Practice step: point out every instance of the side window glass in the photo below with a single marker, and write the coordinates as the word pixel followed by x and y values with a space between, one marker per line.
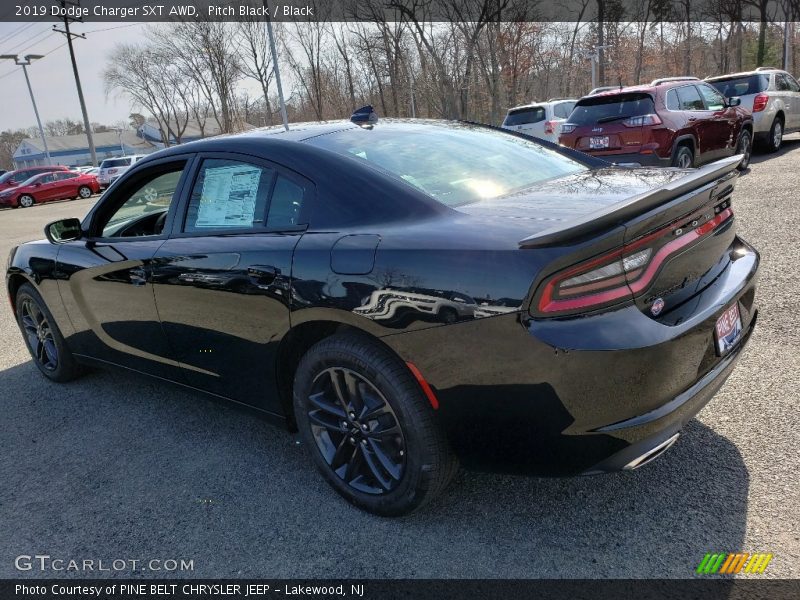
pixel 145 202
pixel 229 194
pixel 285 204
pixel 672 100
pixel 713 100
pixel 689 98
pixel 780 83
pixel 793 85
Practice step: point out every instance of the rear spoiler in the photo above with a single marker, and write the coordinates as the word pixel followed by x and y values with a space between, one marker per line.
pixel 718 171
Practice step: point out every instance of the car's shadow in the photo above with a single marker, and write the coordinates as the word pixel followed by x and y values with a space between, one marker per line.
pixel 791 142
pixel 119 466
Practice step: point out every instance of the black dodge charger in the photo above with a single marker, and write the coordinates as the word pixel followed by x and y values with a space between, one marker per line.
pixel 408 295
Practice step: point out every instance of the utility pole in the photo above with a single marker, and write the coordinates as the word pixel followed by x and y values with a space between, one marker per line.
pixel 275 67
pixel 594 56
pixel 69 35
pixel 25 63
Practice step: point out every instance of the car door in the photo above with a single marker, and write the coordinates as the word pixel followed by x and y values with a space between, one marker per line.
pixel 45 187
pixel 104 277
pixel 221 281
pixel 722 123
pixel 63 185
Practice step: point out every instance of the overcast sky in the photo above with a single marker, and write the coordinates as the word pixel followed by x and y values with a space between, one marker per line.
pixel 51 77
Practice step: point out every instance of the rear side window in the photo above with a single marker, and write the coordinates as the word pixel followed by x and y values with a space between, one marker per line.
pixel 605 109
pixel 563 110
pixel 742 86
pixel 285 204
pixel 525 116
pixel 689 98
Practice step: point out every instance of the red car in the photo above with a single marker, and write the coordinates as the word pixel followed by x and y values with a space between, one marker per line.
pixel 14 178
pixel 678 122
pixel 44 187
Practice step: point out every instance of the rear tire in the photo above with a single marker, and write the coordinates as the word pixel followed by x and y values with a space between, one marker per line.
pixel 775 138
pixel 84 192
pixel 26 201
pixel 369 428
pixel 745 146
pixel 43 337
pixel 684 158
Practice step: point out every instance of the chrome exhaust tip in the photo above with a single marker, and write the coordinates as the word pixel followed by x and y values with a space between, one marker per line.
pixel 651 454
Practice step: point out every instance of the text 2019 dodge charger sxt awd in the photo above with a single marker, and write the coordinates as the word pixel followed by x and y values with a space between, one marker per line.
pixel 408 295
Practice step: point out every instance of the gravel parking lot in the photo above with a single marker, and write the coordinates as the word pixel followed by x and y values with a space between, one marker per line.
pixel 116 466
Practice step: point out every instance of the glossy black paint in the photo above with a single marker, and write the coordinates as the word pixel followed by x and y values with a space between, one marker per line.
pixel 446 289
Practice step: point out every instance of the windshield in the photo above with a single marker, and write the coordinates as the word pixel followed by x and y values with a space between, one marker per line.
pixel 606 109
pixel 6 176
pixel 742 86
pixel 455 164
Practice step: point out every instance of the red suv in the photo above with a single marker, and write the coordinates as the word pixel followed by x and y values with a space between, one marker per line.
pixel 677 121
pixel 14 178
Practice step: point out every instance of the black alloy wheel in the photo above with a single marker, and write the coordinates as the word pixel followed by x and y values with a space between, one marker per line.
pixel 43 338
pixel 39 335
pixel 371 431
pixel 356 431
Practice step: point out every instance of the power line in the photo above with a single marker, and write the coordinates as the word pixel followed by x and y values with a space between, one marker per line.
pixel 31 41
pixel 18 31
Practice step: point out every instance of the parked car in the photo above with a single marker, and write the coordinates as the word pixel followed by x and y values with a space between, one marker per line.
pixel 679 122
pixel 614 302
pixel 14 178
pixel 112 168
pixel 540 120
pixel 44 187
pixel 772 95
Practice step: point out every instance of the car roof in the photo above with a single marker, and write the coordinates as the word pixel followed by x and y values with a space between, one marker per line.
pixel 550 101
pixel 744 74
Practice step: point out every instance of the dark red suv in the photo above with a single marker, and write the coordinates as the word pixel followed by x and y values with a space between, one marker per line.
pixel 679 122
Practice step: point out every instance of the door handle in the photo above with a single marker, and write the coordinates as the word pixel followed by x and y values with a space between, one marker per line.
pixel 138 276
pixel 263 274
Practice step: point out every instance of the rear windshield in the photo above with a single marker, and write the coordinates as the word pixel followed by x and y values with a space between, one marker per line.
pixel 563 110
pixel 455 164
pixel 605 109
pixel 115 162
pixel 742 86
pixel 524 116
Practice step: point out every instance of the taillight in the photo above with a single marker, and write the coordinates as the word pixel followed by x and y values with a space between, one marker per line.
pixel 568 127
pixel 625 272
pixel 112 171
pixel 642 121
pixel 550 126
pixel 760 102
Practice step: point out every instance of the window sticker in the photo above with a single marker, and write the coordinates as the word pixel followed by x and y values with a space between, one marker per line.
pixel 228 198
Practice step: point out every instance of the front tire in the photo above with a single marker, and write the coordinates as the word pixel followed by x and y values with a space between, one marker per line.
pixel 370 429
pixel 745 146
pixel 43 338
pixel 26 201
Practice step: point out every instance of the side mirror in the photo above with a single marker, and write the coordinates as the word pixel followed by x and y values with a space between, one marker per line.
pixel 65 230
pixel 37 184
pixel 734 101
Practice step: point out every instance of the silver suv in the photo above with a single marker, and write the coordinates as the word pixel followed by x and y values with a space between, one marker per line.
pixel 772 95
pixel 541 120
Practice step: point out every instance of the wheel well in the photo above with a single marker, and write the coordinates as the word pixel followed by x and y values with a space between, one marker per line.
pixel 292 348
pixel 14 283
pixel 779 115
pixel 686 142
pixel 748 127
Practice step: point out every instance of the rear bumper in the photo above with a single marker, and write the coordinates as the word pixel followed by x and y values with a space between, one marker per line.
pixel 580 395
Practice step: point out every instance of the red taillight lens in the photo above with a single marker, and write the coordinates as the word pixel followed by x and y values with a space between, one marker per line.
pixel 549 126
pixel 624 272
pixel 567 127
pixel 760 102
pixel 112 171
pixel 642 121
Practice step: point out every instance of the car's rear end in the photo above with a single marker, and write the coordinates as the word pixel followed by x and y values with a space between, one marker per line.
pixel 111 169
pixel 530 120
pixel 753 91
pixel 620 127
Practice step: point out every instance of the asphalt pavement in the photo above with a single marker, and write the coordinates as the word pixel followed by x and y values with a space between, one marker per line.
pixel 119 467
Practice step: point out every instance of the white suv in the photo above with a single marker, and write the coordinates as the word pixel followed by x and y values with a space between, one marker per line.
pixel 112 168
pixel 541 119
pixel 773 96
